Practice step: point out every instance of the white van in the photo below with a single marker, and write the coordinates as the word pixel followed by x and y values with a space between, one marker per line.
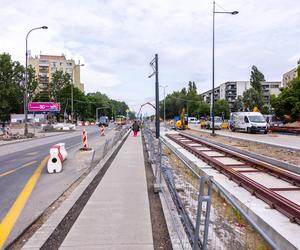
pixel 248 121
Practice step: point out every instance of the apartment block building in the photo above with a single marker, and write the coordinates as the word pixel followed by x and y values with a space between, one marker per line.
pixel 232 89
pixel 46 65
pixel 290 75
pixel 207 96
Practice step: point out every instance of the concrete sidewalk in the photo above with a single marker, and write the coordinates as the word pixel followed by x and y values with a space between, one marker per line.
pixel 117 216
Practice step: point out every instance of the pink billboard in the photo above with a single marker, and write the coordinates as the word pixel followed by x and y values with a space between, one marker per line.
pixel 43 106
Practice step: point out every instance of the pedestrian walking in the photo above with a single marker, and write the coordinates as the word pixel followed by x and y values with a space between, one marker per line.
pixel 135 128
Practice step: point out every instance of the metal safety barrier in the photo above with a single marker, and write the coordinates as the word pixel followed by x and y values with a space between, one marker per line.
pixel 191 238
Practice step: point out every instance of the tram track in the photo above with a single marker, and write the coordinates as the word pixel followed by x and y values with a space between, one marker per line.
pixel 239 168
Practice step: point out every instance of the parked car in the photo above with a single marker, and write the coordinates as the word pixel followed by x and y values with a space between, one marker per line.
pixel 225 124
pixel 217 122
pixel 193 120
pixel 248 121
pixel 273 121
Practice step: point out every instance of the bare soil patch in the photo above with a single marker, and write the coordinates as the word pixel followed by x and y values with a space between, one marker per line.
pixel 160 232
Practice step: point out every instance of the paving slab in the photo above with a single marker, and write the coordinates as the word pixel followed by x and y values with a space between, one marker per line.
pixel 213 153
pixel 117 216
pixel 228 161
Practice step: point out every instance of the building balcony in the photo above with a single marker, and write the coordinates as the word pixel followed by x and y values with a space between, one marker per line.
pixel 43 87
pixel 44 64
pixel 230 93
pixel 44 74
pixel 230 87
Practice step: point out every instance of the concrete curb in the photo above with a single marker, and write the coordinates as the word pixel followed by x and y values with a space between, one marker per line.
pixel 44 232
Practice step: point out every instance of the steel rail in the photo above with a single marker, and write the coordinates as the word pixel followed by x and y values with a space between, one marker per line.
pixel 228 197
pixel 280 203
pixel 262 166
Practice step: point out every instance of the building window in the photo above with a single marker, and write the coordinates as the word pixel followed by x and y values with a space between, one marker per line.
pixel 274 86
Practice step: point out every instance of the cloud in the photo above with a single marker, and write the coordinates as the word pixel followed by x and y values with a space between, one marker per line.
pixel 116 40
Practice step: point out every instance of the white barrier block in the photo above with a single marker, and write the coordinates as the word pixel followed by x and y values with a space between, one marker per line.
pixel 54 163
pixel 58 154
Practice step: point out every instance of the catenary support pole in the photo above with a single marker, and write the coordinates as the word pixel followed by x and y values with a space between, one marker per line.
pixel 157 98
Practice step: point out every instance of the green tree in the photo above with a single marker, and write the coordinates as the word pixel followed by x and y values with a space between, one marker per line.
pixel 186 98
pixel 265 109
pixel 81 108
pixel 222 109
pixel 238 104
pixel 109 107
pixel 251 99
pixel 41 97
pixel 32 82
pixel 256 78
pixel 287 103
pixel 174 104
pixel 203 109
pixel 11 77
pixel 132 115
pixel 58 82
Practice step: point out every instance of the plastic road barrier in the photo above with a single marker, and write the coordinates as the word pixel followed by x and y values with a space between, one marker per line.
pixel 7 134
pixel 84 139
pixel 58 154
pixel 101 130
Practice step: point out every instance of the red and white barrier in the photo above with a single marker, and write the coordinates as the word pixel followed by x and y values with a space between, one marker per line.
pixel 7 134
pixel 84 139
pixel 58 154
pixel 102 131
pixel 81 123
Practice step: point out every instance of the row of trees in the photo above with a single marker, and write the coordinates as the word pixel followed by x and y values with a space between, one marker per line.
pixel 12 93
pixel 286 106
pixel 193 104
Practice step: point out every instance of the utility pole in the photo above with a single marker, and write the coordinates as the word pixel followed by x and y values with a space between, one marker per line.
pixel 157 97
pixel 154 65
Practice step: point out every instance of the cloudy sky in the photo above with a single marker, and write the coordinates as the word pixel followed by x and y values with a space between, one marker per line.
pixel 116 40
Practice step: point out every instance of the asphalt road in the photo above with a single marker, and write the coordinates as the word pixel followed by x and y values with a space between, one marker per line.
pixel 19 163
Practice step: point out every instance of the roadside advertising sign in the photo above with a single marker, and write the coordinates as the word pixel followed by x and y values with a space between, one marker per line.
pixel 43 107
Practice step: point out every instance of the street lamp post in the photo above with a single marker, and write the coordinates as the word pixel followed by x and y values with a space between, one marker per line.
pixel 213 63
pixel 164 87
pixel 26 79
pixel 72 91
pixel 106 107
